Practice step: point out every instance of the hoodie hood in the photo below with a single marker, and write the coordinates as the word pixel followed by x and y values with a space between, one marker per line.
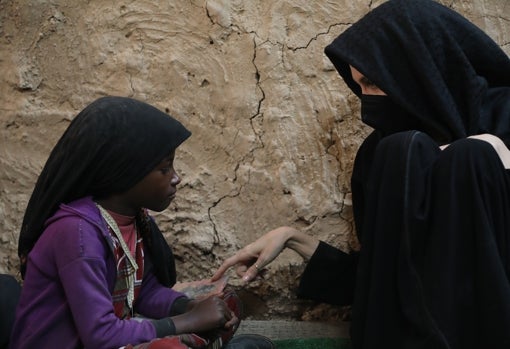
pixel 84 208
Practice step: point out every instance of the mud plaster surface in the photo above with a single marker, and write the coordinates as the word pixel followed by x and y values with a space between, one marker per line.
pixel 274 129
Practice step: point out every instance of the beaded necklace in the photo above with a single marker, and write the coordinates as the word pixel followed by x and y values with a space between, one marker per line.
pixel 133 266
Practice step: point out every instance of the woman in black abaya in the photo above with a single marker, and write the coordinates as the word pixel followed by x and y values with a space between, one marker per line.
pixel 430 185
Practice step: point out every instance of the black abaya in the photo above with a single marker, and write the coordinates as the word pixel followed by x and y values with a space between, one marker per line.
pixel 432 273
pixel 433 270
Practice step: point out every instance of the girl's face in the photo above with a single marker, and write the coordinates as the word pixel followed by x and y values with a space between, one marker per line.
pixel 156 190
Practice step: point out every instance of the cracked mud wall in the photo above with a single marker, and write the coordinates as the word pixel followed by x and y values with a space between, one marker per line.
pixel 274 129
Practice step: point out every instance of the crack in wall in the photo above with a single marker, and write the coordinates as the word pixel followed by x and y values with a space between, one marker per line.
pixel 208 14
pixel 259 113
pixel 141 53
pixel 131 85
pixel 504 19
pixel 330 142
pixel 212 19
pixel 250 155
pixel 317 36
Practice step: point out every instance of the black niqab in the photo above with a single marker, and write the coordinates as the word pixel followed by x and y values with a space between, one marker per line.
pixel 108 147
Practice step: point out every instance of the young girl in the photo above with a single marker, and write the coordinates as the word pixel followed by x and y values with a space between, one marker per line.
pixel 91 256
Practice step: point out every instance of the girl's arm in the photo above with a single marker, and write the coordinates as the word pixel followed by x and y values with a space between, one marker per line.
pixel 156 301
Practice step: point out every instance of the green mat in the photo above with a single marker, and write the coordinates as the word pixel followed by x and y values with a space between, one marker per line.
pixel 313 343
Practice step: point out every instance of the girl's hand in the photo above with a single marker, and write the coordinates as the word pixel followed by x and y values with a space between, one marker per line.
pixel 211 313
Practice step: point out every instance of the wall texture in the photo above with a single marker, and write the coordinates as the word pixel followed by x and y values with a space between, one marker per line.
pixel 274 129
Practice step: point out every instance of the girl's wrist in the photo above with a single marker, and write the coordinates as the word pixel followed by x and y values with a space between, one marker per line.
pixel 181 305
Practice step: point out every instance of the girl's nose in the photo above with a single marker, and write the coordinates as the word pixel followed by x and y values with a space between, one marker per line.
pixel 175 179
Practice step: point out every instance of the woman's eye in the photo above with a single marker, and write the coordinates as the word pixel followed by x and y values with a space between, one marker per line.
pixel 367 83
pixel 370 84
pixel 165 170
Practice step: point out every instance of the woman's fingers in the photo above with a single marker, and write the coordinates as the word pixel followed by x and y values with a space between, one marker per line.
pixel 255 256
pixel 241 270
pixel 245 257
pixel 229 262
pixel 253 271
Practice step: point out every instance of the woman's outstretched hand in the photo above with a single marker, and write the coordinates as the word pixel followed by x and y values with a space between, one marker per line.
pixel 251 259
pixel 254 257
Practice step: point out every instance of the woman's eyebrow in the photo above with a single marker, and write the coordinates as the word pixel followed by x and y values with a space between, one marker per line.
pixel 366 81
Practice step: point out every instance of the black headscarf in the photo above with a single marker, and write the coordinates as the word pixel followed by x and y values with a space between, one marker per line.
pixel 108 147
pixel 443 70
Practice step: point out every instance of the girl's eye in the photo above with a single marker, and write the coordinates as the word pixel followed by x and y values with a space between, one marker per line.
pixel 165 170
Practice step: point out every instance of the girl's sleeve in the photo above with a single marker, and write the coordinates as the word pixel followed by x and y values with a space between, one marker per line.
pixel 329 276
pixel 156 301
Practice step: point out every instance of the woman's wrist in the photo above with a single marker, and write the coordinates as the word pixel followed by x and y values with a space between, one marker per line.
pixel 305 245
pixel 289 235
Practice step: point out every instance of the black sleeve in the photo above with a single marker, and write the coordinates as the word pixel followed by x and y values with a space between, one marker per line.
pixel 329 276
pixel 164 327
pixel 179 306
pixel 360 174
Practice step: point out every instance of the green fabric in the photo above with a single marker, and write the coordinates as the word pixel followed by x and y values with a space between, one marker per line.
pixel 313 343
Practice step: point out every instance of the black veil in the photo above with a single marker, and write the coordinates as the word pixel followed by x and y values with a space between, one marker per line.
pixel 434 63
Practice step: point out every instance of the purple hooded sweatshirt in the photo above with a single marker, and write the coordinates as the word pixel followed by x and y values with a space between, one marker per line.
pixel 66 300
